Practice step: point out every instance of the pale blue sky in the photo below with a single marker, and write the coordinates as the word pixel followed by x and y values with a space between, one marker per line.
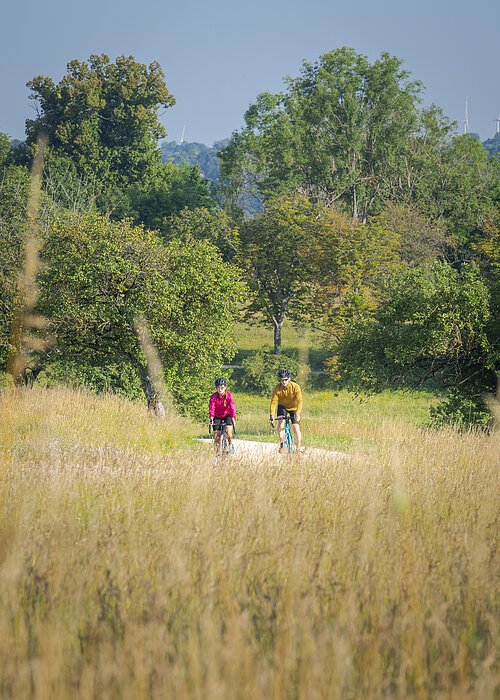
pixel 218 56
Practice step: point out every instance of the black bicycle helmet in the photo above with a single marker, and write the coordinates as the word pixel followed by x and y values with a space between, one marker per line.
pixel 220 382
pixel 284 373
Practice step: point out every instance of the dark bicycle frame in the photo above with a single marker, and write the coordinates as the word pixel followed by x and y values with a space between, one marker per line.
pixel 223 445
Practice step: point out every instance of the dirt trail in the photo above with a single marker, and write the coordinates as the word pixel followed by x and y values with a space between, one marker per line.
pixel 253 448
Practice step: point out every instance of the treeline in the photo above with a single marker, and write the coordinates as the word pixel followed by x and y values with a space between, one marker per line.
pixel 342 204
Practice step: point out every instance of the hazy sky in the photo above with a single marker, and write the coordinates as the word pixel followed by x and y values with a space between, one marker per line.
pixel 219 55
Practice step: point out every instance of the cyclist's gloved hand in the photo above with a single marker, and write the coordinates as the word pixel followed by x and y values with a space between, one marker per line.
pixel 271 420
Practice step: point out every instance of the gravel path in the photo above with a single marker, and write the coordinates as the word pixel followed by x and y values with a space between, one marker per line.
pixel 253 448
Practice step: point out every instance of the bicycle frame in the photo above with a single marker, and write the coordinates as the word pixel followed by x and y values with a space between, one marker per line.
pixel 288 442
pixel 288 435
pixel 222 447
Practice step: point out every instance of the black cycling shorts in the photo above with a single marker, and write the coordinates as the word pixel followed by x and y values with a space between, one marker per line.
pixel 282 411
pixel 219 421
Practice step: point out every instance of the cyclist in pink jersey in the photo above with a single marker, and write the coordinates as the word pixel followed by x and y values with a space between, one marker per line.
pixel 222 410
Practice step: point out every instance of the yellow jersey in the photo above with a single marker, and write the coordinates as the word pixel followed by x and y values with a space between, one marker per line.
pixel 289 396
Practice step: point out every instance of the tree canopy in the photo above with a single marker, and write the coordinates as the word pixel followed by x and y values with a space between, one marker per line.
pixel 304 261
pixel 340 133
pixel 430 328
pixel 104 116
pixel 101 276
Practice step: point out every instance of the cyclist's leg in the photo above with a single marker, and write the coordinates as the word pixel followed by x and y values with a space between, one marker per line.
pixel 280 424
pixel 297 435
pixel 217 427
pixel 223 437
pixel 229 432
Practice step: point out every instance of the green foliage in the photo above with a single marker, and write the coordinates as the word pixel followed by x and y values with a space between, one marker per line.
pixel 340 133
pixel 117 378
pixel 5 148
pixel 492 146
pixel 431 327
pixel 14 188
pixel 103 116
pixel 64 187
pixel 305 261
pixel 461 411
pixel 487 251
pixel 204 157
pixel 261 370
pixel 173 189
pixel 100 276
pixel 274 252
pixel 458 184
pixel 205 224
pixel 421 239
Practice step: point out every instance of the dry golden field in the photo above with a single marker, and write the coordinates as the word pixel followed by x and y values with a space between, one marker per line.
pixel 132 567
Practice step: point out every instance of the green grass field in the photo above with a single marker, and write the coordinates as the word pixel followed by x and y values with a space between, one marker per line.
pixel 256 336
pixel 330 419
pixel 340 420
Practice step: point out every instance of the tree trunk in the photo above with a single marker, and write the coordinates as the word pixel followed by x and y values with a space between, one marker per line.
pixel 278 322
pixel 152 395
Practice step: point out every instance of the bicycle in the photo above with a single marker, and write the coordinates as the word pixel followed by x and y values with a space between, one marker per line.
pixel 223 446
pixel 288 442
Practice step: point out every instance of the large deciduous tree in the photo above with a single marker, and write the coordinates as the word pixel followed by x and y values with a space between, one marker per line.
pixel 100 277
pixel 104 116
pixel 304 261
pixel 340 133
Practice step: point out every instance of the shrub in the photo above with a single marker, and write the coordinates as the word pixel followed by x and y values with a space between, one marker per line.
pixel 462 412
pixel 260 370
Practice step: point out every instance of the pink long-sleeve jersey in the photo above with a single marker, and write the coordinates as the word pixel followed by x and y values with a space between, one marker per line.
pixel 221 406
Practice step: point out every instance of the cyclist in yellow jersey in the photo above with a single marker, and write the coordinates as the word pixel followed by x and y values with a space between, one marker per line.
pixel 288 397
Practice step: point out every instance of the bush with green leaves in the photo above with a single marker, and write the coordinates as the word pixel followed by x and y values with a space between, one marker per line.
pixel 431 328
pixel 261 369
pixel 116 378
pixel 462 412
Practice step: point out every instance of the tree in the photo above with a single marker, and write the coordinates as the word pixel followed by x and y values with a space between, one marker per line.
pixel 14 188
pixel 101 276
pixel 422 239
pixel 492 145
pixel 204 157
pixel 305 261
pixel 5 148
pixel 459 187
pixel 103 116
pixel 274 252
pixel 340 133
pixel 487 252
pixel 173 188
pixel 204 224
pixel 431 327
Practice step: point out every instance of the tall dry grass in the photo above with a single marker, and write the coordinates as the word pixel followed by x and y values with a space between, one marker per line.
pixel 131 571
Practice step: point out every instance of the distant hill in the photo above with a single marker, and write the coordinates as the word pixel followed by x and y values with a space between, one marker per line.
pixel 205 157
pixel 492 145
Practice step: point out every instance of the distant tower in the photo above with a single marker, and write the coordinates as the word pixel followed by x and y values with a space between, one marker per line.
pixel 498 123
pixel 182 137
pixel 466 120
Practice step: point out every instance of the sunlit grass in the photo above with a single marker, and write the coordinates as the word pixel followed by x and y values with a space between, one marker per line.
pixel 253 337
pixel 129 569
pixel 70 418
pixel 341 420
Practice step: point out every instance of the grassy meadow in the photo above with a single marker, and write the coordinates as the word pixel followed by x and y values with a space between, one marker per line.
pixel 132 567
